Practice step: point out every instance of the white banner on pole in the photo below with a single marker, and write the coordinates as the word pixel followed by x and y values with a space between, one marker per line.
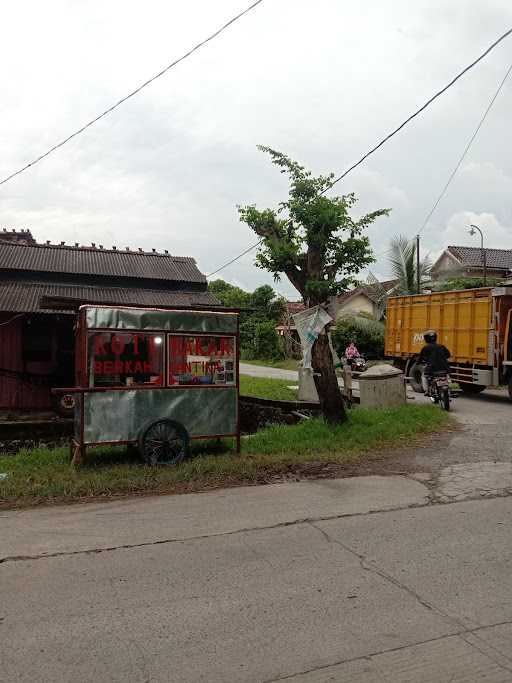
pixel 309 324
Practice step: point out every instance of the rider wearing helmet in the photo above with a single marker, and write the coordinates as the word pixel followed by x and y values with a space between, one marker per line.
pixel 434 356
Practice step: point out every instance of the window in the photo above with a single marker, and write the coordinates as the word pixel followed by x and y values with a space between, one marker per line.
pixel 202 360
pixel 38 336
pixel 125 359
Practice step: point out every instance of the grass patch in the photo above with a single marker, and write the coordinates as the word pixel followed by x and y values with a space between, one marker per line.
pixel 262 387
pixel 45 476
pixel 288 364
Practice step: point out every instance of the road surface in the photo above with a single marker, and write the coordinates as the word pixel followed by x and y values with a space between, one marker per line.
pixel 265 371
pixel 404 578
pixel 364 579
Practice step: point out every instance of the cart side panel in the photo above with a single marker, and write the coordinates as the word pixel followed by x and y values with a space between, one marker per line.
pixel 77 419
pixel 120 415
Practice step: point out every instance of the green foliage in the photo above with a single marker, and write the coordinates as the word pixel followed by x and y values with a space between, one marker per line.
pixel 259 339
pixel 367 334
pixel 265 310
pixel 465 283
pixel 229 295
pixel 402 259
pixel 311 238
pixel 266 305
pixel 264 387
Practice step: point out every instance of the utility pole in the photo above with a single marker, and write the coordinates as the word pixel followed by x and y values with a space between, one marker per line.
pixel 473 229
pixel 418 275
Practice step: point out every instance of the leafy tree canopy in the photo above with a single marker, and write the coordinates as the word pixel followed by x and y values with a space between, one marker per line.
pixel 311 238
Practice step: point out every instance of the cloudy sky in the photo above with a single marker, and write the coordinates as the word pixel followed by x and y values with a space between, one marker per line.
pixel 322 81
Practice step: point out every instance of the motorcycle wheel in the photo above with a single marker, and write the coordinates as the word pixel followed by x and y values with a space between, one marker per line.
pixel 445 398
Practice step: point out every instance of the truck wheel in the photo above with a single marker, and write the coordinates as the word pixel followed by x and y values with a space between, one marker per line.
pixel 472 388
pixel 415 374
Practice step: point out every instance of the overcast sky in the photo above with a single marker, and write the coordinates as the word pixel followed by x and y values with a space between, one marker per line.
pixel 322 81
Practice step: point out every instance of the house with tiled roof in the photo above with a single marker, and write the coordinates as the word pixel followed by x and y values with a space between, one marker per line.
pixel 41 288
pixel 362 299
pixel 460 261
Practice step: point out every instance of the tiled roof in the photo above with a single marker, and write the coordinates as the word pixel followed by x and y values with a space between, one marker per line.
pixel 294 307
pixel 24 297
pixel 94 261
pixel 365 291
pixel 500 259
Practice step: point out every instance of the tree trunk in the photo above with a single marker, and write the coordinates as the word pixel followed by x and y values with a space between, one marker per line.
pixel 326 382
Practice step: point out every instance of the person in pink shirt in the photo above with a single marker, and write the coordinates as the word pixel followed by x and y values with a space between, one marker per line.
pixel 351 351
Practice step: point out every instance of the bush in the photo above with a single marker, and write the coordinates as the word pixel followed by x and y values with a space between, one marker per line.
pixel 260 340
pixel 367 334
pixel 465 283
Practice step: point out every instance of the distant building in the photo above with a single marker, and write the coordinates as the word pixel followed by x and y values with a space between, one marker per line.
pixel 37 340
pixel 362 299
pixel 17 236
pixel 287 329
pixel 468 262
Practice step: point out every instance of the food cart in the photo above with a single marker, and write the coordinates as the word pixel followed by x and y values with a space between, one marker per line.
pixel 155 378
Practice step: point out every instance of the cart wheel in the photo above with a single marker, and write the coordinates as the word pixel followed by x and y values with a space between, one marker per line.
pixel 163 442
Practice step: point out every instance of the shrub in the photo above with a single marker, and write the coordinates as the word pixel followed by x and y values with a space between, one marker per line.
pixel 465 283
pixel 260 340
pixel 367 334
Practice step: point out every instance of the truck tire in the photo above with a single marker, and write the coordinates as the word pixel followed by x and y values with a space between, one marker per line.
pixel 472 388
pixel 415 375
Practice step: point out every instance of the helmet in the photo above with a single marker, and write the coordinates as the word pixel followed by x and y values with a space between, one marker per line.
pixel 430 337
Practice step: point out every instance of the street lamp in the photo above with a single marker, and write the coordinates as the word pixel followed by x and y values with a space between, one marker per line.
pixel 472 231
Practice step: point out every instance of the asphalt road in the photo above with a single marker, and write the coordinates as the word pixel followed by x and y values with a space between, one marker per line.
pixel 272 373
pixel 402 578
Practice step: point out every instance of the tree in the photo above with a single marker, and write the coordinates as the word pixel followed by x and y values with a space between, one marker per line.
pixel 263 311
pixel 402 259
pixel 315 242
pixel 266 305
pixel 229 295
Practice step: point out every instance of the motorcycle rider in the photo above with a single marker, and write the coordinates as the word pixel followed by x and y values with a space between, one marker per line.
pixel 351 351
pixel 435 357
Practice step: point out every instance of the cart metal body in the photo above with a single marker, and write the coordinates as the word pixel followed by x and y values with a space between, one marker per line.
pixel 138 365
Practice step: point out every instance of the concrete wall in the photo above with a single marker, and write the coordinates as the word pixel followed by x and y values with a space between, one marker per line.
pixel 446 267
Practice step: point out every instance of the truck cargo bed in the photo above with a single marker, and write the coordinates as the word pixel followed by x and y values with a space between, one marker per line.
pixel 463 320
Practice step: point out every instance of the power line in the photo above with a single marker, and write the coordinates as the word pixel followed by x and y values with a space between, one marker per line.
pixel 422 108
pixel 466 150
pixel 461 159
pixel 132 93
pixel 236 258
pixel 396 130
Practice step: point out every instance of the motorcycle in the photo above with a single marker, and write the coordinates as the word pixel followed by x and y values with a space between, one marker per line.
pixel 439 390
pixel 357 364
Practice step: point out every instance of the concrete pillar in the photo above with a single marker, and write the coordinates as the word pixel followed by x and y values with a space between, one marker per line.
pixel 382 386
